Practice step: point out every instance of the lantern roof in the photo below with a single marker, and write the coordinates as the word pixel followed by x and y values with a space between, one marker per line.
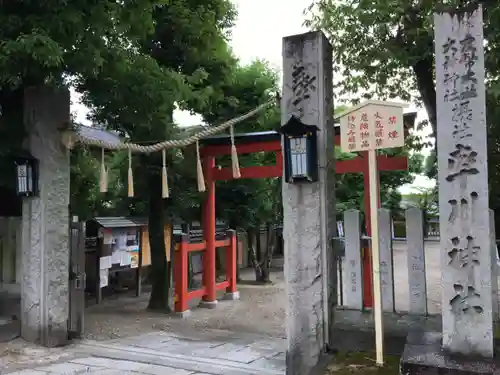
pixel 295 126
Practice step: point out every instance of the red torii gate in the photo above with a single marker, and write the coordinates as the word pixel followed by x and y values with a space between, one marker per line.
pixel 270 141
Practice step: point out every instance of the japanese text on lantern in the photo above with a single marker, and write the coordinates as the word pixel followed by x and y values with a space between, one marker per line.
pixel 459 82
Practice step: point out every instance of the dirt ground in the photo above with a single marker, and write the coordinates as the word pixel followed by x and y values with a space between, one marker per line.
pixel 261 309
pixel 362 364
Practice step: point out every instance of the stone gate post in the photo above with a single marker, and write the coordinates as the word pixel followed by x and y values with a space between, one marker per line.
pixel 309 211
pixel 45 221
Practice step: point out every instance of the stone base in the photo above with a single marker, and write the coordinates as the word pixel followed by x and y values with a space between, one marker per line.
pixel 423 355
pixel 232 296
pixel 208 304
pixel 183 314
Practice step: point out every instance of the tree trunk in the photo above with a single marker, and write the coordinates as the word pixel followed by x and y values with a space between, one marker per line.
pixel 253 253
pixel 161 270
pixel 268 255
pixel 258 243
pixel 424 73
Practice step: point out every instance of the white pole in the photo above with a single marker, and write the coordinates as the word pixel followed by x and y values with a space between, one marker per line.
pixel 377 289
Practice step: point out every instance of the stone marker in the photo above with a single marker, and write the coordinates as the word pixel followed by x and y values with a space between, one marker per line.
pixel 352 271
pixel 463 183
pixel 308 208
pixel 416 261
pixel 45 221
pixel 494 267
pixel 465 345
pixel 386 262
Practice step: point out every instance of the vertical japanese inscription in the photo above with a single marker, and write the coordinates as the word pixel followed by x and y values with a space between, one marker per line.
pixel 364 130
pixel 463 186
pixel 351 132
pixel 459 81
pixel 303 84
pixel 379 130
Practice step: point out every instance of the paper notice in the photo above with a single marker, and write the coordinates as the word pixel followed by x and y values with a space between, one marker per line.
pixel 116 257
pixel 103 277
pixel 126 259
pixel 105 263
pixel 107 237
pixel 121 240
pixel 134 259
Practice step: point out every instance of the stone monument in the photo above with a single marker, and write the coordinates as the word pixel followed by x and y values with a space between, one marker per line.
pixel 308 208
pixel 466 297
pixel 45 221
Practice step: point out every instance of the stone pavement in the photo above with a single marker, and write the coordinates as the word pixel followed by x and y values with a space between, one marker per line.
pixel 163 353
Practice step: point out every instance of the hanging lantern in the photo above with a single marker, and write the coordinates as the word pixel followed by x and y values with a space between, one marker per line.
pixel 27 176
pixel 300 151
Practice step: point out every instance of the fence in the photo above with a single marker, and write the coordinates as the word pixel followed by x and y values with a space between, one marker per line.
pixel 183 248
pixel 410 270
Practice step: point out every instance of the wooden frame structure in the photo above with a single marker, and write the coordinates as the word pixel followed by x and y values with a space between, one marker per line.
pixel 210 285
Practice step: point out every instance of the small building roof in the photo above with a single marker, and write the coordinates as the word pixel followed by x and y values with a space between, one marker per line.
pixel 98 133
pixel 121 222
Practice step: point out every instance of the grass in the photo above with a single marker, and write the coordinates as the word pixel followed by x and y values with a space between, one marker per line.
pixel 362 364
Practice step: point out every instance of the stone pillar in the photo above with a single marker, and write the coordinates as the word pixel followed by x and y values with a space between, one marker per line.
pixel 463 183
pixel 308 208
pixel 45 221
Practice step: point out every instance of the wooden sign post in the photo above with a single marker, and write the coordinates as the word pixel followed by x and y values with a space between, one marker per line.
pixel 370 126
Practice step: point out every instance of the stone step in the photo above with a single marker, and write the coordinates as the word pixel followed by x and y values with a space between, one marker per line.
pixel 161 358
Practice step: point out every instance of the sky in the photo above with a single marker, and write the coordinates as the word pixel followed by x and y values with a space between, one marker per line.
pixel 257 34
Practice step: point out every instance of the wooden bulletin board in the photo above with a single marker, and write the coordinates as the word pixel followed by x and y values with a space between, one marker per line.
pixel 146 249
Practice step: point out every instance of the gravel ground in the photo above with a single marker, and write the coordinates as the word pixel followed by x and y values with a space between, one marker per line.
pixel 261 309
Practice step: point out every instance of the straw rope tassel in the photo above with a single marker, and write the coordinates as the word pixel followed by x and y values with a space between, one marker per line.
pixel 199 170
pixel 164 180
pixel 234 156
pixel 130 175
pixel 103 182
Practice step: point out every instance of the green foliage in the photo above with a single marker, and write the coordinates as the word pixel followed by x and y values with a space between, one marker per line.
pixel 375 44
pixel 426 199
pixel 42 40
pixel 385 49
pixel 350 187
pixel 246 203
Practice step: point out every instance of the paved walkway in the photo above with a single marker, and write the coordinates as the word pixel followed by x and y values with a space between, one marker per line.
pixel 162 353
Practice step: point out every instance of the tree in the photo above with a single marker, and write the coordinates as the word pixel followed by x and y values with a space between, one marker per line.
pixel 134 62
pixel 386 49
pixel 190 58
pixel 247 204
pixel 51 41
